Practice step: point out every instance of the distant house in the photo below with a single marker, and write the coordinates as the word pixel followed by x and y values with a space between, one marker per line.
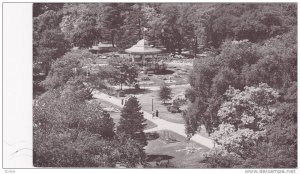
pixel 102 48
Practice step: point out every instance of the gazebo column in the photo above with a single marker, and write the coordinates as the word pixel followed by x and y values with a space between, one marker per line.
pixel 153 59
pixel 143 60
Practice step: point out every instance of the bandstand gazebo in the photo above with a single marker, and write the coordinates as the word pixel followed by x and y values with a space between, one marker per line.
pixel 144 54
pixel 140 50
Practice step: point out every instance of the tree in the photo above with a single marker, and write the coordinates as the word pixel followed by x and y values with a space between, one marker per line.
pixel 48 40
pixel 245 117
pixel 112 20
pixel 68 133
pixel 131 152
pixel 126 74
pixel 82 24
pixel 40 8
pixel 132 121
pixel 70 65
pixel 277 66
pixel 131 30
pixel 279 151
pixel 87 31
pixel 51 46
pixel 171 35
pixel 130 72
pixel 165 93
pixel 255 22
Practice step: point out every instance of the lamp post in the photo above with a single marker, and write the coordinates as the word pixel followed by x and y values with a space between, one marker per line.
pixel 152 104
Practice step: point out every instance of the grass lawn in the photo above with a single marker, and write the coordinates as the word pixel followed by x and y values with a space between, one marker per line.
pixel 160 149
pixel 146 102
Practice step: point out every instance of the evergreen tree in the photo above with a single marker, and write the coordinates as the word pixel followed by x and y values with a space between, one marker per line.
pixel 132 121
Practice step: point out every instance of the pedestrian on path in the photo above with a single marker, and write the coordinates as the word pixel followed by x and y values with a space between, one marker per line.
pixel 122 101
pixel 157 113
pixel 153 114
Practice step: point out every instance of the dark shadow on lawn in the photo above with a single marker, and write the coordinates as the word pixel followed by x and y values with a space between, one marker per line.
pixel 152 135
pixel 165 72
pixel 167 104
pixel 136 91
pixel 154 158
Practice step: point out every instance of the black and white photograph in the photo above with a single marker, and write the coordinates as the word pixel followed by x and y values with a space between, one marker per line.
pixel 143 85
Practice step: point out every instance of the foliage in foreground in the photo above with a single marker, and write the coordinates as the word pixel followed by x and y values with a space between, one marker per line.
pixel 74 133
pixel 252 133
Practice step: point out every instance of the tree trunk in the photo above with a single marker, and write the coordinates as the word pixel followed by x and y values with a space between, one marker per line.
pixel 195 47
pixel 140 33
pixel 113 39
pixel 179 50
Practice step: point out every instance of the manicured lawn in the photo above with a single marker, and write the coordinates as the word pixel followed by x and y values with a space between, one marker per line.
pixel 146 102
pixel 160 149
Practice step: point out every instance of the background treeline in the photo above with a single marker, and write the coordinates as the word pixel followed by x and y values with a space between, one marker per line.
pixel 250 69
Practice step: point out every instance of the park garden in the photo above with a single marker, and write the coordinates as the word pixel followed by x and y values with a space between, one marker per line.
pixel 160 85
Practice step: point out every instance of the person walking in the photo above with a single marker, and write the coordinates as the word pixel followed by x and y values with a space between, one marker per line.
pixel 157 113
pixel 153 114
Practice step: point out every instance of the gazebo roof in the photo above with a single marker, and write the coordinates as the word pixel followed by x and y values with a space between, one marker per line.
pixel 142 47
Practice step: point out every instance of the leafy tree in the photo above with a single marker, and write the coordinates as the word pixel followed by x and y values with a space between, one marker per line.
pixel 132 28
pixel 218 158
pixel 82 24
pixel 129 72
pixel 171 35
pixel 75 90
pixel 245 117
pixel 132 121
pixel 201 79
pixel 277 67
pixel 279 151
pixel 125 73
pixel 40 8
pixel 254 22
pixel 131 152
pixel 112 20
pixel 70 65
pixel 48 41
pixel 165 93
pixel 116 61
pixel 87 32
pixel 51 46
pixel 71 133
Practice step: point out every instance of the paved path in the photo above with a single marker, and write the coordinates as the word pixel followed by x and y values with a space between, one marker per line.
pixel 152 88
pixel 161 124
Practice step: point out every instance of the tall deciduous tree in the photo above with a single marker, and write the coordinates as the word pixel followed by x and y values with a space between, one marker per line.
pixel 70 65
pixel 132 29
pixel 48 40
pixel 112 21
pixel 245 117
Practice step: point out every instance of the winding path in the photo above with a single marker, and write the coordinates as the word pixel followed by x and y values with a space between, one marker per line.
pixel 161 124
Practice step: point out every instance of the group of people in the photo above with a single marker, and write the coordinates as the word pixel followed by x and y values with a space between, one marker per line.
pixel 155 114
